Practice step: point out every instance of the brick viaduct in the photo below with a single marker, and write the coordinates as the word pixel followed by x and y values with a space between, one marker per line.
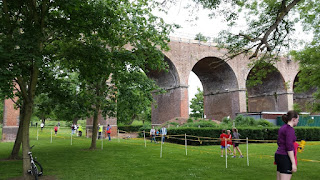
pixel 224 86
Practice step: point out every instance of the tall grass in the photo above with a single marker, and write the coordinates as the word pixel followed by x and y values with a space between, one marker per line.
pixel 130 159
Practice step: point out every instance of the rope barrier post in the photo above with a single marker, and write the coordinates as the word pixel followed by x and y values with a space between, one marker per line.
pixel 185 141
pixel 37 134
pixel 118 136
pixel 71 139
pixel 225 147
pixel 161 146
pixel 51 136
pixel 144 137
pixel 87 133
pixel 247 152
pixel 102 140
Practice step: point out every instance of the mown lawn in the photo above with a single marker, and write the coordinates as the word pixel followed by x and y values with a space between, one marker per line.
pixel 130 159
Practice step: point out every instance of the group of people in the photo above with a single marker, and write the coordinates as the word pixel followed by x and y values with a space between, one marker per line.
pixel 155 132
pixel 107 131
pixel 76 129
pixel 226 142
pixel 285 157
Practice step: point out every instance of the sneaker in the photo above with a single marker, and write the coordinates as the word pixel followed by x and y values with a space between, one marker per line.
pixel 221 155
pixel 233 156
pixel 241 156
pixel 231 153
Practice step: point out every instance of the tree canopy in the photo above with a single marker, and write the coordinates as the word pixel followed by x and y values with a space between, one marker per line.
pixel 197 105
pixel 97 39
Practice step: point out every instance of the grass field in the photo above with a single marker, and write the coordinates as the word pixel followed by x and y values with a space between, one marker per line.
pixel 130 159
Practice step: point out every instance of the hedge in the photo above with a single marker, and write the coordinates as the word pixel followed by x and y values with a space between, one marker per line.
pixel 253 133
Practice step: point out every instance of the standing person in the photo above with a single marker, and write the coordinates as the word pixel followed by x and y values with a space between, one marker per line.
pixel 80 131
pixel 284 156
pixel 163 133
pixel 55 130
pixel 42 125
pixel 229 141
pixel 153 134
pixel 72 129
pixel 223 138
pixel 100 129
pixel 109 132
pixel 59 125
pixel 236 135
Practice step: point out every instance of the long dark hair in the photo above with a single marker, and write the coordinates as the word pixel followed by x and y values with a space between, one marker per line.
pixel 290 114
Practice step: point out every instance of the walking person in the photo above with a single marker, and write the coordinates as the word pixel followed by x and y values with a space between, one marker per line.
pixel 153 134
pixel 55 130
pixel 229 141
pixel 236 142
pixel 109 132
pixel 284 156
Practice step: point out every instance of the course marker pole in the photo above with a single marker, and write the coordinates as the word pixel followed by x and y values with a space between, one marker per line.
pixel 226 147
pixel 247 152
pixel 51 136
pixel 144 137
pixel 161 146
pixel 37 134
pixel 87 132
pixel 102 140
pixel 185 142
pixel 118 136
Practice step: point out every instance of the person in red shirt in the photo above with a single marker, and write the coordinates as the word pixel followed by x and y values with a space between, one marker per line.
pixel 55 130
pixel 223 138
pixel 229 141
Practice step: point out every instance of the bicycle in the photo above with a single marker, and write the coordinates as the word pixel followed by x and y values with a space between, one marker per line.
pixel 36 168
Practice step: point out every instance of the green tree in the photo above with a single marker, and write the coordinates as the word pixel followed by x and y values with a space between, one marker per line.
pixel 201 37
pixel 197 105
pixel 134 97
pixel 33 32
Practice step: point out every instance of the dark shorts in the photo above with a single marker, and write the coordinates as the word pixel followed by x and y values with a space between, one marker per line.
pixel 235 144
pixel 284 164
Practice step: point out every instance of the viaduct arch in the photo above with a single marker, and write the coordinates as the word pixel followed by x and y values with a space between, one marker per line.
pixel 224 84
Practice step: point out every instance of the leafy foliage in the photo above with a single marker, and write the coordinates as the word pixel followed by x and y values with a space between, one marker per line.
pixel 197 105
pixel 201 37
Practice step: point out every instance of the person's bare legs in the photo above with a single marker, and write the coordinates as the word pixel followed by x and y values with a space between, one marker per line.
pixel 239 150
pixel 285 176
pixel 278 175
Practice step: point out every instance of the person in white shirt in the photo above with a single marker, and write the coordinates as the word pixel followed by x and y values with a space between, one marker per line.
pixel 163 133
pixel 153 134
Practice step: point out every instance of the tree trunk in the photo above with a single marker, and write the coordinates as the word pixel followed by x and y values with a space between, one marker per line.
pixel 25 140
pixel 17 144
pixel 75 120
pixel 95 128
